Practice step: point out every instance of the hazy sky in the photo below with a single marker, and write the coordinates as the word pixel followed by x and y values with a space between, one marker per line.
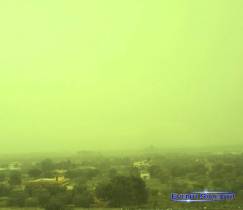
pixel 98 74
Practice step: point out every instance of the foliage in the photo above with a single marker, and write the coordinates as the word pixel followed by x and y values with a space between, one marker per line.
pixel 123 191
pixel 15 178
pixel 34 172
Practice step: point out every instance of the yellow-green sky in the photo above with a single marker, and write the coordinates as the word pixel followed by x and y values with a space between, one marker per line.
pixel 106 74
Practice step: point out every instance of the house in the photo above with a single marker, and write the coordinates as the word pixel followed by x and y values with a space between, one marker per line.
pixel 60 172
pixel 15 166
pixel 141 164
pixel 69 187
pixel 57 180
pixel 145 175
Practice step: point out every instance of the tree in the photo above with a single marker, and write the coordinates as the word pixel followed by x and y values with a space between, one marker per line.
pixel 104 191
pixel 43 196
pixel 123 191
pixel 65 164
pixel 34 172
pixel 15 178
pixel 112 173
pixel 55 204
pixel 17 199
pixel 2 177
pixel 84 173
pixel 47 165
pixel 134 171
pixel 4 190
pixel 31 202
pixel 82 197
pixel 140 193
pixel 56 189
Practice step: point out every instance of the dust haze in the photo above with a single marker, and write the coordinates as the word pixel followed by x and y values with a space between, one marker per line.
pixel 106 75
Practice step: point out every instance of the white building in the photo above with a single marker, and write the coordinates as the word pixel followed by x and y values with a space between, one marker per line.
pixel 145 175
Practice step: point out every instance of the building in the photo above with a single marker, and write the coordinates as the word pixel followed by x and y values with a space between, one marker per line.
pixel 57 180
pixel 145 175
pixel 15 166
pixel 141 164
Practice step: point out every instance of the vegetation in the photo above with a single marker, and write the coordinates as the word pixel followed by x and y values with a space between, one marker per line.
pixel 135 181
